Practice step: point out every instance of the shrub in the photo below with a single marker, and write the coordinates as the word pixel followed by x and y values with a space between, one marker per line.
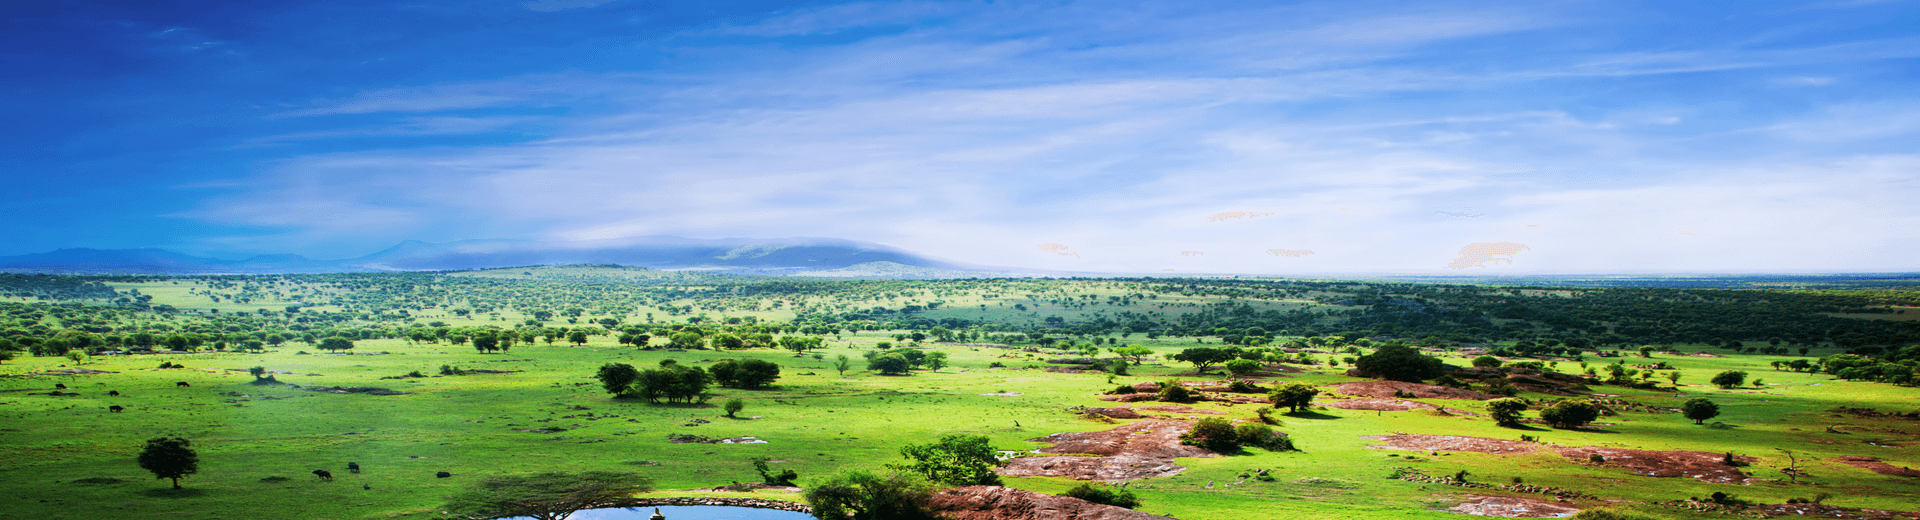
pixel 1243 366
pixel 783 478
pixel 1104 495
pixel 1266 416
pixel 1400 363
pixel 1119 367
pixel 1486 361
pixel 890 364
pixel 1504 389
pixel 861 495
pixel 1294 395
pixel 1570 414
pixel 1729 379
pixel 958 460
pixel 1122 389
pixel 1262 436
pixel 1243 386
pixel 734 406
pixel 1174 392
pixel 1213 433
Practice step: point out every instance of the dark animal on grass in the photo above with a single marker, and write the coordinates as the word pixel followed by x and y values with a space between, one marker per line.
pixel 116 408
pixel 442 474
pixel 113 393
pixel 353 467
pixel 182 383
pixel 323 474
pixel 59 386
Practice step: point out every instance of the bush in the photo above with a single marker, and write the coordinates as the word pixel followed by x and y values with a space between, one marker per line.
pixel 783 478
pixel 1570 414
pixel 1122 389
pixel 1729 379
pixel 1266 416
pixel 1104 495
pixel 861 495
pixel 1262 436
pixel 956 460
pixel 1174 392
pixel 1119 367
pixel 1486 361
pixel 1400 363
pixel 734 406
pixel 1504 389
pixel 1243 386
pixel 1243 366
pixel 1294 395
pixel 890 364
pixel 1213 433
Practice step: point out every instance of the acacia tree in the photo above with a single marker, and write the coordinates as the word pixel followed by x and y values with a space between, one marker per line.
pixel 1729 379
pixel 1506 411
pixel 551 495
pixel 170 457
pixel 957 460
pixel 1699 409
pixel 1400 363
pixel 1203 357
pixel 1570 414
pixel 1294 395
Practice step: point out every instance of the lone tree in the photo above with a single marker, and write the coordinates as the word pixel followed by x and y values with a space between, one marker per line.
pixel 1729 379
pixel 1486 362
pixel 1400 363
pixel 170 457
pixel 1699 409
pixel 861 495
pixel 1506 411
pixel 735 405
pixel 841 363
pixel 334 343
pixel 890 364
pixel 1294 395
pixel 955 460
pixel 551 495
pixel 1570 414
pixel 1204 357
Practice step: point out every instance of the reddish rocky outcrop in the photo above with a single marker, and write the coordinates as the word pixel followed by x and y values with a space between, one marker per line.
pixel 1002 503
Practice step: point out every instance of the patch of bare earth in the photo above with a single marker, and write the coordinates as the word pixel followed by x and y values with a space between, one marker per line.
pixel 1117 413
pixel 1875 465
pixel 1826 511
pixel 1513 507
pixel 1002 503
pixel 1177 409
pixel 1402 441
pixel 1706 467
pixel 1130 452
pixel 1376 403
pixel 1391 389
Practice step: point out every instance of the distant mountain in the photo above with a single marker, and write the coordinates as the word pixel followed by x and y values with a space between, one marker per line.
pixel 801 255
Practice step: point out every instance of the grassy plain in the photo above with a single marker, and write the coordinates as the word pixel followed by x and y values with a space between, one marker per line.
pixel 55 452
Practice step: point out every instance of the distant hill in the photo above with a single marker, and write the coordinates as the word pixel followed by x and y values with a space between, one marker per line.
pixel 790 256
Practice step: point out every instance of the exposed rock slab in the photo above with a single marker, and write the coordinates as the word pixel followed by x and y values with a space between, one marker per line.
pixel 1003 503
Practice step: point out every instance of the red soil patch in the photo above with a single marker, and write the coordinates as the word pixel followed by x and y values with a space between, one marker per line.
pixel 1117 413
pixel 1827 511
pixel 1376 403
pixel 1875 465
pixel 1134 451
pixel 1421 391
pixel 1513 507
pixel 1401 441
pixel 1177 409
pixel 1002 503
pixel 1129 398
pixel 1706 467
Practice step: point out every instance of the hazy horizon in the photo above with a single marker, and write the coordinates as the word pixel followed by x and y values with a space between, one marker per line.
pixel 1312 138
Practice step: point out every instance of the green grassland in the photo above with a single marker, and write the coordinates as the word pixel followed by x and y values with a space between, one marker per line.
pixel 60 457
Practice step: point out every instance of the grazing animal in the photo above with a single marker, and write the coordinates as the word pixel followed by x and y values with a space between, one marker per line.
pixel 442 474
pixel 353 467
pixel 323 474
pixel 60 386
pixel 366 486
pixel 113 393
pixel 116 408
pixel 182 383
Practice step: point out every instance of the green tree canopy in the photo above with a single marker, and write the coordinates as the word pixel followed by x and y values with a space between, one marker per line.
pixel 1699 409
pixel 1294 395
pixel 170 458
pixel 958 460
pixel 1400 363
pixel 862 495
pixel 744 373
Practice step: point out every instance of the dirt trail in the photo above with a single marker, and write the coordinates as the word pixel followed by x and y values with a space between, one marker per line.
pixel 1875 465
pixel 1130 452
pixel 1376 403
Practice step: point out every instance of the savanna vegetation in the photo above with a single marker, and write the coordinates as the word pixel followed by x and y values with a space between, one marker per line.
pixel 872 394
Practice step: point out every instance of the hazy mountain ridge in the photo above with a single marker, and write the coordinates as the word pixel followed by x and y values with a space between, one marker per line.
pixel 799 254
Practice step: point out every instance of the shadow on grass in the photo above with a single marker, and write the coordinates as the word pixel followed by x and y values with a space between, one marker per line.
pixel 168 492
pixel 1525 428
pixel 1310 414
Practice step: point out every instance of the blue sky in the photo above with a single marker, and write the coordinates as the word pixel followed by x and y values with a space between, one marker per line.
pixel 1658 136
